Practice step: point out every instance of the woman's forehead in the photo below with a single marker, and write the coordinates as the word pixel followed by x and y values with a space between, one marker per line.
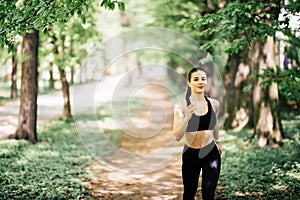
pixel 199 73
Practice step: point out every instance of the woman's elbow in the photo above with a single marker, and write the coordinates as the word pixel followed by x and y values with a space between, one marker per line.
pixel 177 137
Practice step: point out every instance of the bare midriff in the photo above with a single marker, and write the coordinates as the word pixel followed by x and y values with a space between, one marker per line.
pixel 198 139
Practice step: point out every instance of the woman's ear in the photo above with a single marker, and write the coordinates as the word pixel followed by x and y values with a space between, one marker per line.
pixel 189 83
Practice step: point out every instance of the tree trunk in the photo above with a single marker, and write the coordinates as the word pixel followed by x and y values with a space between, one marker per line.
pixel 72 66
pixel 262 108
pixel 66 93
pixel 63 78
pixel 265 99
pixel 26 128
pixel 267 120
pixel 229 78
pixel 238 103
pixel 51 79
pixel 64 83
pixel 14 90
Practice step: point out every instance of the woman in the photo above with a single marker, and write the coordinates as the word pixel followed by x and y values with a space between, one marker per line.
pixel 196 121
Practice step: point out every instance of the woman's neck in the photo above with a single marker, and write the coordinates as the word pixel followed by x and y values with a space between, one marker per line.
pixel 198 97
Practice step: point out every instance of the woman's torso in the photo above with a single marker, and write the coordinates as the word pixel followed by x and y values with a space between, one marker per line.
pixel 199 132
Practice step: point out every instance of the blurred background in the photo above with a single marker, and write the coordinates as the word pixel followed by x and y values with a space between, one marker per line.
pixel 250 50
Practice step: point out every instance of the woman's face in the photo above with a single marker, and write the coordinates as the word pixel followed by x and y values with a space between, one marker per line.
pixel 198 82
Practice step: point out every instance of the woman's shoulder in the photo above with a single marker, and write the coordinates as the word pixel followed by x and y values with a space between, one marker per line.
pixel 180 106
pixel 214 102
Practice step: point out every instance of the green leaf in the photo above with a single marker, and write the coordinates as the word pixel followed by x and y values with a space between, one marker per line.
pixel 103 3
pixel 121 6
pixel 248 88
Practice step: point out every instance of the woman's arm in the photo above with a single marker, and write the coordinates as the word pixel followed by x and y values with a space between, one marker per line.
pixel 216 105
pixel 179 125
pixel 180 121
pixel 216 130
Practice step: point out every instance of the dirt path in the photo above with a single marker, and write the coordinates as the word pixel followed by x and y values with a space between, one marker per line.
pixel 50 107
pixel 162 179
pixel 164 182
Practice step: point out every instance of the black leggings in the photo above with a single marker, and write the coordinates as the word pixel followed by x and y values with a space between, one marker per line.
pixel 208 158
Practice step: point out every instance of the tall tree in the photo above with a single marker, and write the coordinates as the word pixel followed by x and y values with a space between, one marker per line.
pixel 26 18
pixel 26 128
pixel 252 24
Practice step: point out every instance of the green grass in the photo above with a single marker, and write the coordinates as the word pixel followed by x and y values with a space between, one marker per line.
pixel 58 166
pixel 55 168
pixel 262 173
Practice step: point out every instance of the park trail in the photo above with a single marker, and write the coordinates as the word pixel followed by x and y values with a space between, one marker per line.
pixel 159 182
pixel 50 107
pixel 161 179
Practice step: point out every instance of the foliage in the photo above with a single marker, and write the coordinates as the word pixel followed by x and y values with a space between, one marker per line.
pixel 262 173
pixel 108 4
pixel 177 14
pixel 288 81
pixel 66 45
pixel 240 23
pixel 19 17
pixel 55 168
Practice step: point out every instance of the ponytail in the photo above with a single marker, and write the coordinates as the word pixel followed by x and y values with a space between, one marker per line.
pixel 188 94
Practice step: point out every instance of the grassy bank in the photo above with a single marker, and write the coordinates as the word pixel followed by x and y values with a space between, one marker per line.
pixel 249 172
pixel 58 166
pixel 55 168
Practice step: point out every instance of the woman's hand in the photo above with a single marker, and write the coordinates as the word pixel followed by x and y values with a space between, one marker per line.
pixel 189 112
pixel 219 148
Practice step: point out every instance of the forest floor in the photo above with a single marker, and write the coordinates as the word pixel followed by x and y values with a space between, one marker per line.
pixel 163 182
pixel 155 153
pixel 161 179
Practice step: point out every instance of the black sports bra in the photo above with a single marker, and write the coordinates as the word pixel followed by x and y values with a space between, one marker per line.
pixel 202 122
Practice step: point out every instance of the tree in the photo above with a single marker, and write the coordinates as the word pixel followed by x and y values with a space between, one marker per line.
pixel 26 128
pixel 175 15
pixel 14 89
pixel 252 24
pixel 27 18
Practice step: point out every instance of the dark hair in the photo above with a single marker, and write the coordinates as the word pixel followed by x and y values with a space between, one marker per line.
pixel 194 69
pixel 189 75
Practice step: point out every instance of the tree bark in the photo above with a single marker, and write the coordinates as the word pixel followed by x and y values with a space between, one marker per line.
pixel 66 93
pixel 63 78
pixel 26 128
pixel 267 120
pixel 51 79
pixel 64 83
pixel 238 103
pixel 72 66
pixel 261 105
pixel 14 89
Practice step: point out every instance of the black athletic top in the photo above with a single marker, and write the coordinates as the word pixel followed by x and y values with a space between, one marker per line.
pixel 202 122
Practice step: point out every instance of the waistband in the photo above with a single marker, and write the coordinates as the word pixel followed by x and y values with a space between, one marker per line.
pixel 201 152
